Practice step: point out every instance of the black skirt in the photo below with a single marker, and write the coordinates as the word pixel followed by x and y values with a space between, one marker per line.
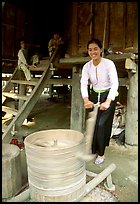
pixel 103 126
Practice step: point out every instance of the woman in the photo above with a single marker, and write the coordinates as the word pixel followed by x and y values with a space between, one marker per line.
pixel 102 76
pixel 24 60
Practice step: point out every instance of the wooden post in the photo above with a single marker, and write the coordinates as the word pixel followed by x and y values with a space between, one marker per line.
pixel 104 33
pixel 77 108
pixel 21 89
pixel 74 29
pixel 131 126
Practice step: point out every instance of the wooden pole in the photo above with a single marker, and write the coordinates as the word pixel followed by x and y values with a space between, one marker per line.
pixel 131 126
pixel 99 178
pixel 104 33
pixel 77 120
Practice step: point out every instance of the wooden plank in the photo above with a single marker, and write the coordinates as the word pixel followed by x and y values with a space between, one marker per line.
pixel 82 60
pixel 9 110
pixel 5 78
pixel 41 68
pixel 25 82
pixel 118 57
pixel 84 20
pixel 74 60
pixel 4 127
pixel 14 96
pixel 13 60
pixel 74 29
pixel 59 81
pixel 3 99
pixel 10 85
pixel 116 25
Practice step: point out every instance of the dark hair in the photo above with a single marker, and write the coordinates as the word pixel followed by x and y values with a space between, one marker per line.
pixel 94 40
pixel 22 41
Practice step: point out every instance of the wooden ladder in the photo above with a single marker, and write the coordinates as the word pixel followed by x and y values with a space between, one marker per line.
pixel 25 103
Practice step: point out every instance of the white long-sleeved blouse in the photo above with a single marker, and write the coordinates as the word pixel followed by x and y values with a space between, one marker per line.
pixel 21 58
pixel 101 77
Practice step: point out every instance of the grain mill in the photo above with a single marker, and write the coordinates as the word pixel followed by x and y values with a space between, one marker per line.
pixel 56 173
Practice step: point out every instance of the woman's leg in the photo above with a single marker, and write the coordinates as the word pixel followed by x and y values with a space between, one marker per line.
pixel 103 125
pixel 26 72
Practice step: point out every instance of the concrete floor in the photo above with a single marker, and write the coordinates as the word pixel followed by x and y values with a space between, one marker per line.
pixel 56 115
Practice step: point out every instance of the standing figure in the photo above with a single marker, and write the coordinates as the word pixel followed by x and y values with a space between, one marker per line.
pixel 101 74
pixel 24 60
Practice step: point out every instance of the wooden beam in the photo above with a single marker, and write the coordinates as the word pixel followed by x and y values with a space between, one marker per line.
pixel 9 85
pixel 59 81
pixel 82 60
pixel 9 110
pixel 24 82
pixel 5 78
pixel 14 96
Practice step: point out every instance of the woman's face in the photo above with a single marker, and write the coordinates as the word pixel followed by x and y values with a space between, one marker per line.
pixel 22 44
pixel 94 51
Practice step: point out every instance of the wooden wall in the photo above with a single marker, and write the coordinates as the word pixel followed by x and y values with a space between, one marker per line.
pixel 83 20
pixel 13 27
pixel 88 20
pixel 17 24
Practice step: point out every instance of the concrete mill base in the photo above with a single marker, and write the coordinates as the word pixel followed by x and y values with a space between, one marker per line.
pixel 90 189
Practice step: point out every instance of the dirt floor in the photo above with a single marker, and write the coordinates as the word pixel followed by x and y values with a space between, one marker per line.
pixel 56 115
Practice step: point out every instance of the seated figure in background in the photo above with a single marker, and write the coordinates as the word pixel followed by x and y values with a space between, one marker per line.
pixel 54 42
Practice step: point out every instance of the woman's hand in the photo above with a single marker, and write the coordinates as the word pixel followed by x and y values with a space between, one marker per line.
pixel 32 66
pixel 105 105
pixel 88 103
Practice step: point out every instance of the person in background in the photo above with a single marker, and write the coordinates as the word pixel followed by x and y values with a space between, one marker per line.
pixel 54 42
pixel 25 61
pixel 102 75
